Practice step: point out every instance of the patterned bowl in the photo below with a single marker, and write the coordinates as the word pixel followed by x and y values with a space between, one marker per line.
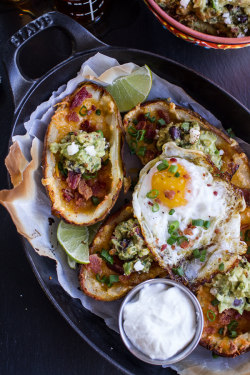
pixel 193 36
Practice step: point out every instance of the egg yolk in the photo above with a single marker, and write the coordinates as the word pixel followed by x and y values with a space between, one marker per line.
pixel 172 189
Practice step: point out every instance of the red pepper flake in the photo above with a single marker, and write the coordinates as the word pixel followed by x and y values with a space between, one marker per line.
pixel 189 191
pixel 215 192
pixel 163 247
pixel 150 203
pixel 186 176
pixel 157 200
pixel 173 160
pixel 209 185
pixel 204 174
pixel 217 231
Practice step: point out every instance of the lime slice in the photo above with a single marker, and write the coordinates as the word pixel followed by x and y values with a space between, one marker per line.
pixel 74 240
pixel 130 90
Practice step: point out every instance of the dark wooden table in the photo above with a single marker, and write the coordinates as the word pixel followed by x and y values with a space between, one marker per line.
pixel 34 338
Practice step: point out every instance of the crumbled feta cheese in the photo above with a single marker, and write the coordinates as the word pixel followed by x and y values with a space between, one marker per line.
pixel 227 18
pixel 90 150
pixel 184 3
pixel 221 152
pixel 138 266
pixel 72 149
pixel 194 135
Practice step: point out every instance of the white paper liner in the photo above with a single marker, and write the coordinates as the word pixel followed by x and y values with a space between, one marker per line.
pixel 29 205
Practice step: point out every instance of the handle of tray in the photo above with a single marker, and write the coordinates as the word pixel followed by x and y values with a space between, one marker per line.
pixel 82 40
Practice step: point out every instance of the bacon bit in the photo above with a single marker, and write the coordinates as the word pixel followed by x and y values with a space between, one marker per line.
pixel 217 231
pixel 141 117
pixel 150 203
pixel 163 247
pixel 124 279
pixel 184 245
pixel 209 330
pixel 164 116
pixel 84 190
pixel 68 195
pixel 157 200
pixel 170 194
pixel 93 107
pixel 79 97
pixel 95 263
pixel 209 185
pixel 99 189
pixel 226 316
pixel 246 195
pixel 186 176
pixel 174 160
pixel 215 193
pixel 191 226
pixel 112 251
pixel 150 131
pixel 141 125
pixel 173 247
pixel 188 231
pixel 86 126
pixel 149 155
pixel 79 200
pixel 73 179
pixel 73 116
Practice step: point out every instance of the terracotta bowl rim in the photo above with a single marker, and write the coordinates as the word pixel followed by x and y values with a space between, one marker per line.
pixel 194 33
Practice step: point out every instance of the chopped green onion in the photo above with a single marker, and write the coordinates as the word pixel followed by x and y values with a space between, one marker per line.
pixel 63 171
pixel 233 334
pixel 155 207
pixel 81 113
pixel 196 253
pixel 171 212
pixel 203 255
pixel 173 226
pixel 232 325
pixel 230 132
pixel 113 279
pixel 177 174
pixel 163 165
pixel 198 222
pixel 215 302
pixel 221 331
pixel 171 240
pixel 182 239
pixel 105 162
pixel 162 122
pixel 95 200
pixel 132 131
pixel 206 224
pixel 173 168
pixel 178 271
pixel 142 151
pixel 87 176
pixel 135 122
pixel 107 257
pixel 247 235
pixel 132 146
pixel 216 152
pixel 101 132
pixel 98 112
pixel 214 355
pixel 152 194
pixel 108 280
pixel 147 115
pixel 140 135
pixel 211 315
pixel 221 266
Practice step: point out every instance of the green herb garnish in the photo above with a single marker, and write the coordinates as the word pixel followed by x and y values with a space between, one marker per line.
pixel 178 271
pixel 173 168
pixel 155 207
pixel 152 194
pixel 83 111
pixel 171 212
pixel 106 256
pixel 98 112
pixel 163 165
pixel 211 315
pixel 221 267
pixel 95 200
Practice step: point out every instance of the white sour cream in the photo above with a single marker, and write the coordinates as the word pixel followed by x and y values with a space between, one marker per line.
pixel 161 322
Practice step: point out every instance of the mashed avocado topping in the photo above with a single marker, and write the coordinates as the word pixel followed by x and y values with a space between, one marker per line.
pixel 81 152
pixel 129 245
pixel 188 135
pixel 232 290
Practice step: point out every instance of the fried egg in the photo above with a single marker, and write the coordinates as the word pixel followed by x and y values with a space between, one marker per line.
pixel 189 215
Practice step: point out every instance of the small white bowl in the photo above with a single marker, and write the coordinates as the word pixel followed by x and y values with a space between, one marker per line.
pixel 185 351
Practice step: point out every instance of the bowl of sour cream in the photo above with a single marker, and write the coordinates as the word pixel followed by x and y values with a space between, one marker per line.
pixel 160 321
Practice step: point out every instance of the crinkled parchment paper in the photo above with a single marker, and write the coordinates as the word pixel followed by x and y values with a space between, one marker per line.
pixel 29 205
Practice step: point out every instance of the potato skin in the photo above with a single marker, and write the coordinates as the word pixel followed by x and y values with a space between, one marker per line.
pixel 211 339
pixel 87 278
pixel 59 126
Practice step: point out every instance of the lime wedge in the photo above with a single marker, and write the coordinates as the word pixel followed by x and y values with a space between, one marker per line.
pixel 130 90
pixel 74 240
pixel 72 263
pixel 93 229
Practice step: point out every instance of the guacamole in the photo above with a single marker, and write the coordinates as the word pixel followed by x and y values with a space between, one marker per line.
pixel 188 135
pixel 232 290
pixel 81 152
pixel 130 246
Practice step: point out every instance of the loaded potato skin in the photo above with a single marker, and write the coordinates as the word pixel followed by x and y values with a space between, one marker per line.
pixel 83 171
pixel 108 277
